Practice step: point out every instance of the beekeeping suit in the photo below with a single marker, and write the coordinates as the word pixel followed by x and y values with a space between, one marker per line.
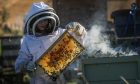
pixel 34 44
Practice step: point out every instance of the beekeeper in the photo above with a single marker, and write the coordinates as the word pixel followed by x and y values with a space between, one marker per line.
pixel 41 30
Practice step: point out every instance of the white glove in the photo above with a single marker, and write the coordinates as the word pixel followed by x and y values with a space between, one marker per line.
pixel 76 27
pixel 31 66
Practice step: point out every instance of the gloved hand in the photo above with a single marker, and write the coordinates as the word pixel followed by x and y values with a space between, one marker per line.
pixel 76 27
pixel 31 66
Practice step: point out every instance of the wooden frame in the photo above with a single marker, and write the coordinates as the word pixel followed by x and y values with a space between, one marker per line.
pixel 64 51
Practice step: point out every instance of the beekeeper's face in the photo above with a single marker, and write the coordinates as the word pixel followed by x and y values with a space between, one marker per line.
pixel 42 25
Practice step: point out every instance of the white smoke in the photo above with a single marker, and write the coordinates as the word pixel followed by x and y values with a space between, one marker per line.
pixel 97 41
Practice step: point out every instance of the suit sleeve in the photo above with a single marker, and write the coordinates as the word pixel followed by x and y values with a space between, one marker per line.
pixel 23 57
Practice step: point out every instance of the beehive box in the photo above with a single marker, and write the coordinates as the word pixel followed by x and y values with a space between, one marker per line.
pixel 112 70
pixel 126 25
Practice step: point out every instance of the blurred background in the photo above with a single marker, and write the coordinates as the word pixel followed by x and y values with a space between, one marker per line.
pixel 12 14
pixel 105 21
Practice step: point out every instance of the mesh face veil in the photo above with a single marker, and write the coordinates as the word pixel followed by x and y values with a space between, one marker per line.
pixel 51 25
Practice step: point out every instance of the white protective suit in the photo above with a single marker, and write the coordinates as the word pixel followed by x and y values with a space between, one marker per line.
pixel 32 47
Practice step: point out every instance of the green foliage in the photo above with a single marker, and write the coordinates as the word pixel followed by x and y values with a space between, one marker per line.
pixel 9 32
pixel 5 15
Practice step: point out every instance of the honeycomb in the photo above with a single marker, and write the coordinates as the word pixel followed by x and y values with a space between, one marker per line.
pixel 63 52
